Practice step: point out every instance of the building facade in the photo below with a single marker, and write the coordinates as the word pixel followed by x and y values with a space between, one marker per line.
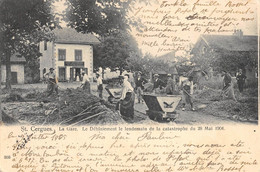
pixel 17 70
pixel 239 47
pixel 69 54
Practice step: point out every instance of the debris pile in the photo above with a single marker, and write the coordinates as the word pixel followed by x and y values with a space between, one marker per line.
pixel 209 94
pixel 244 110
pixel 70 107
pixel 13 97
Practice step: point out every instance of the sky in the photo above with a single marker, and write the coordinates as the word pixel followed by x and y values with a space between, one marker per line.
pixel 248 27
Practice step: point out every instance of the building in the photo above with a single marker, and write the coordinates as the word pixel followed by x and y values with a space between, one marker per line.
pixel 17 69
pixel 236 49
pixel 69 54
pixel 168 57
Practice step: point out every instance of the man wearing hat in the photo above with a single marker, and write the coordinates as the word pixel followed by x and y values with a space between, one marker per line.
pixel 171 85
pixel 139 86
pixel 85 82
pixel 228 90
pixel 187 91
pixel 52 82
pixel 157 82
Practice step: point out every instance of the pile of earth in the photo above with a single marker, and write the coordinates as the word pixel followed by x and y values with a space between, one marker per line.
pixel 208 95
pixel 245 109
pixel 69 107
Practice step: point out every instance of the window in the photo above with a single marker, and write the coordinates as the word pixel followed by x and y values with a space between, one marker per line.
pixel 45 45
pixel 203 50
pixel 78 55
pixel 62 54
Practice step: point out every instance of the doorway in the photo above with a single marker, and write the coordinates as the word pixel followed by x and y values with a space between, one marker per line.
pixel 62 74
pixel 77 74
pixel 14 78
pixel 72 74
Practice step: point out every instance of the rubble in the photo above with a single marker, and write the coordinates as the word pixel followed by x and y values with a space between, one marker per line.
pixel 70 107
pixel 243 111
pixel 13 97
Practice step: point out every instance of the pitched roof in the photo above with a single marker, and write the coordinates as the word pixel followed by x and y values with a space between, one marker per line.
pixel 71 36
pixel 17 58
pixel 230 42
pixel 168 57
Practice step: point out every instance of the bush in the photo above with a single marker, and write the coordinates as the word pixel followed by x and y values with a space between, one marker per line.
pixel 252 83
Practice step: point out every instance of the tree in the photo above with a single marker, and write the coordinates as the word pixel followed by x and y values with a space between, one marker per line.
pixel 114 51
pixel 25 24
pixel 97 16
pixel 109 21
pixel 230 61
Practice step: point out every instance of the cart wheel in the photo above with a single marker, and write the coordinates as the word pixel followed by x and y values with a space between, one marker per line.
pixel 152 117
pixel 172 119
pixel 158 119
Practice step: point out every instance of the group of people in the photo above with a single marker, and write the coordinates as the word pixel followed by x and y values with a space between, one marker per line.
pixel 127 100
pixel 171 88
pixel 228 89
pixel 52 82
pixel 85 84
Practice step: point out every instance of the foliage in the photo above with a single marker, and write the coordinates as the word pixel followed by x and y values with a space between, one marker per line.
pixel 97 16
pixel 114 50
pixel 23 36
pixel 101 16
pixel 231 61
pixel 225 60
pixel 109 21
pixel 31 70
pixel 147 64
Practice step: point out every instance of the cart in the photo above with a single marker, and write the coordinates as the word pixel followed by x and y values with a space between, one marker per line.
pixel 161 108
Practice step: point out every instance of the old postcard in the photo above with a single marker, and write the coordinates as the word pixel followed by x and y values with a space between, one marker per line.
pixel 129 86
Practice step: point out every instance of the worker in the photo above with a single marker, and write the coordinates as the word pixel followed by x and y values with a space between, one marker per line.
pixel 157 84
pixel 171 85
pixel 126 103
pixel 187 91
pixel 85 82
pixel 99 85
pixel 228 90
pixel 241 77
pixel 139 86
pixel 52 82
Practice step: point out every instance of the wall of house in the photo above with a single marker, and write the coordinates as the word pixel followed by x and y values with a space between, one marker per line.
pixel 87 57
pixel 47 58
pixel 19 68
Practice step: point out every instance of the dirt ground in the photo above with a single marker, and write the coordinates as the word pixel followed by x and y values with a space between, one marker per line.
pixel 28 104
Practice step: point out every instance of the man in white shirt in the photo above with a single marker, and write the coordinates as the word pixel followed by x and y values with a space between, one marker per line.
pixel 99 85
pixel 85 82
pixel 52 82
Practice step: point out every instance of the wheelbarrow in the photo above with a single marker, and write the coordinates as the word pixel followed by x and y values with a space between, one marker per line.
pixel 161 108
pixel 114 94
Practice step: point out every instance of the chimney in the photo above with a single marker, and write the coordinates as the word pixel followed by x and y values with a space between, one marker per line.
pixel 238 33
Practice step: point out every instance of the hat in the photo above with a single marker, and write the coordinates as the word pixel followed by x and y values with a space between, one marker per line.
pixel 156 75
pixel 169 75
pixel 127 75
pixel 83 72
pixel 51 68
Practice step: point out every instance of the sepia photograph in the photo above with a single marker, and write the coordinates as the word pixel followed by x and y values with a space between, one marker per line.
pixel 89 62
pixel 110 85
